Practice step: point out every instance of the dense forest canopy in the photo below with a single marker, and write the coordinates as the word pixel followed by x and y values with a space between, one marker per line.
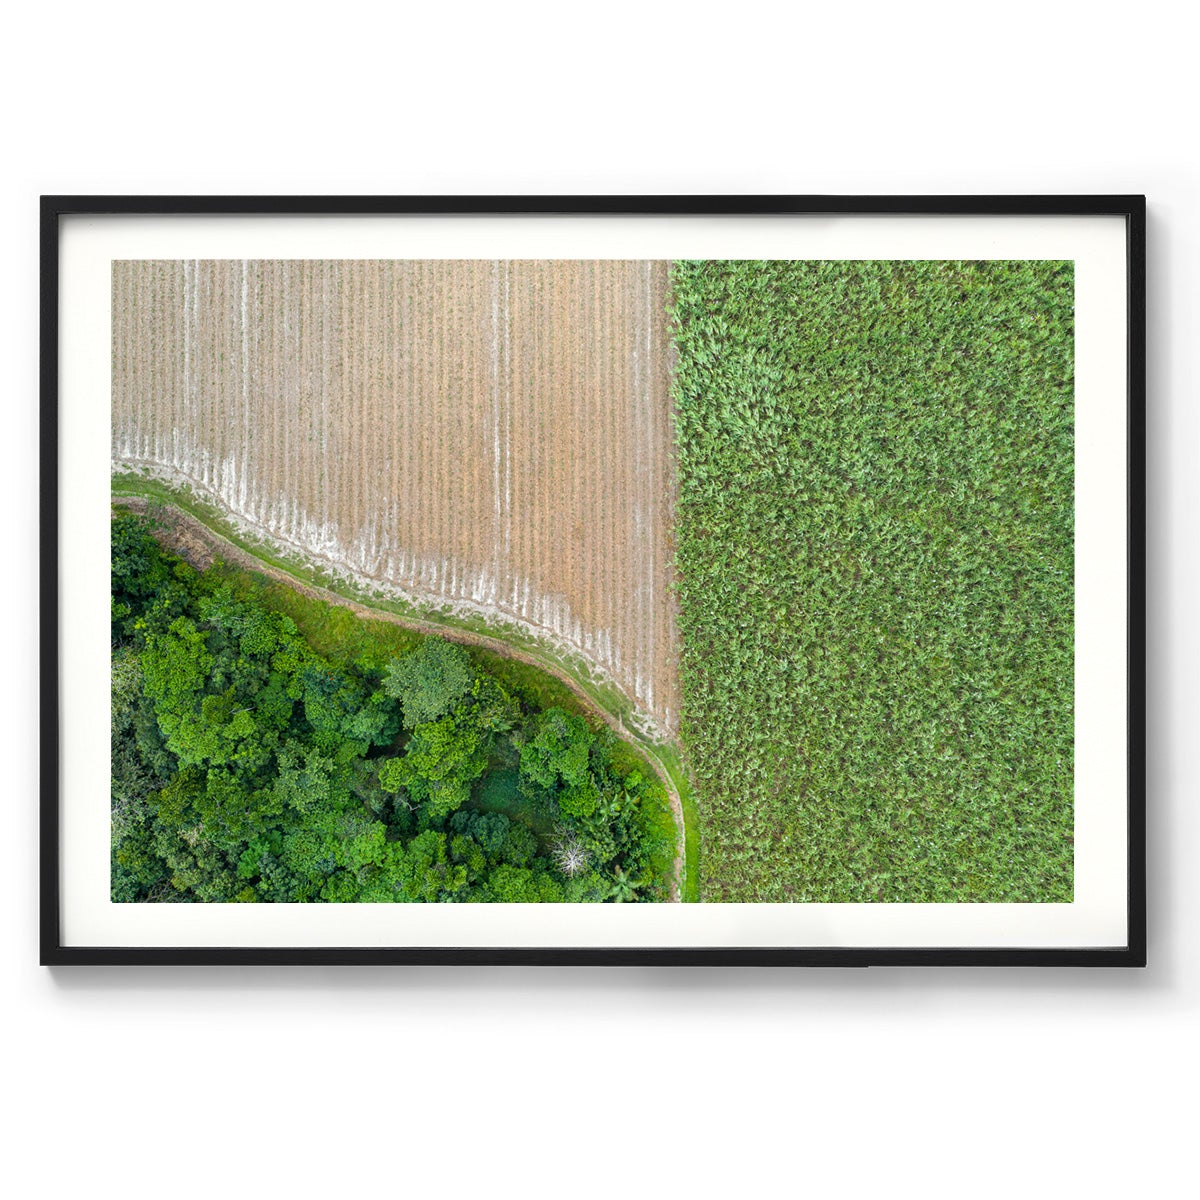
pixel 246 766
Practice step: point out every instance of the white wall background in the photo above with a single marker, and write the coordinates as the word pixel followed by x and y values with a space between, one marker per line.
pixel 903 1082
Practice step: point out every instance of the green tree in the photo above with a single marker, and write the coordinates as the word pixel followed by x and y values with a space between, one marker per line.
pixel 306 779
pixel 441 761
pixel 176 666
pixel 429 681
pixel 624 887
pixel 522 885
pixel 557 753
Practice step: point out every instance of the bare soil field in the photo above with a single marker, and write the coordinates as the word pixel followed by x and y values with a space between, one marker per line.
pixel 495 435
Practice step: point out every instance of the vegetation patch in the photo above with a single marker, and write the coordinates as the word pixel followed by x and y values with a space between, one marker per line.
pixel 875 545
pixel 328 625
pixel 267 746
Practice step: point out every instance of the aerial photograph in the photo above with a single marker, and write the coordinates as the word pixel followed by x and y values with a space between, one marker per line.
pixel 592 581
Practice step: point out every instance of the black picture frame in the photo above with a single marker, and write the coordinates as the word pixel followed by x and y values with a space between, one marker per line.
pixel 54 209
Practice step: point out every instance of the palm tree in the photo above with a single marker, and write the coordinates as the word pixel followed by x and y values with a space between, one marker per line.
pixel 624 888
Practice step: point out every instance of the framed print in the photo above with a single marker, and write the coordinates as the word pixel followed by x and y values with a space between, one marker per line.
pixel 615 580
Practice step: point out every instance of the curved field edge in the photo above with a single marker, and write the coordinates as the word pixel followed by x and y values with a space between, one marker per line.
pixel 557 678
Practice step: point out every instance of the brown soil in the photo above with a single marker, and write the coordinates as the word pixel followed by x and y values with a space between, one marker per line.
pixel 494 434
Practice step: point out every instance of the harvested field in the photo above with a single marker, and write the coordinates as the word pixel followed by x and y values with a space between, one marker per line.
pixel 495 435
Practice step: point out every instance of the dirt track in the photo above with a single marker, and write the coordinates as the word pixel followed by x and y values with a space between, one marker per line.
pixel 495 434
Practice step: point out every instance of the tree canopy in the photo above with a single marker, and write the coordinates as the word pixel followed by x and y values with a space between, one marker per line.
pixel 247 767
